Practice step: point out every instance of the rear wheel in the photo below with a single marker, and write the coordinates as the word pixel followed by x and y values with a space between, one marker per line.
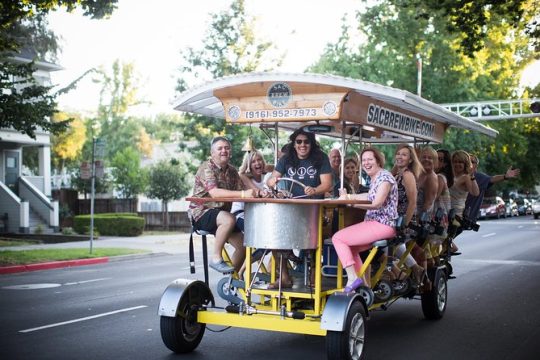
pixel 434 301
pixel 182 334
pixel 349 344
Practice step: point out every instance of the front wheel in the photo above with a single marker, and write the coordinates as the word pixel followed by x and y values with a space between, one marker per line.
pixel 434 301
pixel 182 334
pixel 349 344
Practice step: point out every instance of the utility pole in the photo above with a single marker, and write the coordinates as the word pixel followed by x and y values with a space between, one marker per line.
pixel 92 193
pixel 419 74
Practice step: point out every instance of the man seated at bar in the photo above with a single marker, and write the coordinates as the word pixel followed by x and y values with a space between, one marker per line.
pixel 216 178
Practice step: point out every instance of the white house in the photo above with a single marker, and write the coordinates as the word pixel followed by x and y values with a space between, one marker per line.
pixel 25 203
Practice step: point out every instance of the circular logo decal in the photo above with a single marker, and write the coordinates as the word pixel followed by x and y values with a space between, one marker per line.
pixel 279 94
pixel 329 108
pixel 234 112
pixel 291 172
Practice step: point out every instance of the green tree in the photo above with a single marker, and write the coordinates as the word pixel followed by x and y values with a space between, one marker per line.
pixel 25 104
pixel 167 182
pixel 117 95
pixel 128 177
pixel 163 128
pixel 230 47
pixel 470 19
pixel 83 186
pixel 387 57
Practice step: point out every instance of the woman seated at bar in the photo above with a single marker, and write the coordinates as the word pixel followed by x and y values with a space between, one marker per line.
pixel 378 222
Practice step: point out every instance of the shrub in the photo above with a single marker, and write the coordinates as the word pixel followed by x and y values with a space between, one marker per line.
pixel 67 231
pixel 39 229
pixel 119 224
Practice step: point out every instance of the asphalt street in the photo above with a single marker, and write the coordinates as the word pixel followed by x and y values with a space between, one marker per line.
pixel 110 310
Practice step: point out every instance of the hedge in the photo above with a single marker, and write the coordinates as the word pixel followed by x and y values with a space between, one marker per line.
pixel 119 224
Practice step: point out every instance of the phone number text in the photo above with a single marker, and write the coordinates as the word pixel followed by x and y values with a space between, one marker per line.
pixel 281 113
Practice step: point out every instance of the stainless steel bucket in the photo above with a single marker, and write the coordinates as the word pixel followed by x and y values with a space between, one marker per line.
pixel 281 225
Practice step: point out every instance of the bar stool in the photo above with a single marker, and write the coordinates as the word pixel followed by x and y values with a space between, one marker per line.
pixel 203 234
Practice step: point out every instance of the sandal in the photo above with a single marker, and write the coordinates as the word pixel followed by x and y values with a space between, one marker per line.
pixel 353 286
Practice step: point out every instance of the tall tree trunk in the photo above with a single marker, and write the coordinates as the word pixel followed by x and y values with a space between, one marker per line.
pixel 166 205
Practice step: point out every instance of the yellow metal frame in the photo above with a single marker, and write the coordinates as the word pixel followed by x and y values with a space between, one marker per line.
pixel 272 300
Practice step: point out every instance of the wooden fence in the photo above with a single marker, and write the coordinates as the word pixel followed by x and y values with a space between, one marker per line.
pixel 108 206
pixel 68 199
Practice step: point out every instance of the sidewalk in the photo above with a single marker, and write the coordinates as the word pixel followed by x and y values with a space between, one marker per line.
pixel 156 244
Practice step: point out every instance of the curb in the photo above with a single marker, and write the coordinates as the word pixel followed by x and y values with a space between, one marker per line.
pixel 136 256
pixel 52 265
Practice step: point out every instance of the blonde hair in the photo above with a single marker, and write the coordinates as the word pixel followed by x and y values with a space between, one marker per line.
pixel 463 156
pixel 245 168
pixel 414 166
pixel 433 153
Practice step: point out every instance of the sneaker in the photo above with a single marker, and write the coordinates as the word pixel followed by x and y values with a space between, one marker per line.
pixel 221 267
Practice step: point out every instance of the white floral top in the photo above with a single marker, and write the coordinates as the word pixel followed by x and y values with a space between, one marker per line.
pixel 387 213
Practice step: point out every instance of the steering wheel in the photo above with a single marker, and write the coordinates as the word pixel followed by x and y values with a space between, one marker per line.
pixel 287 193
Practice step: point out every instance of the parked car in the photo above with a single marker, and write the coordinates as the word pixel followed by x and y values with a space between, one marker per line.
pixel 492 208
pixel 524 206
pixel 511 208
pixel 536 208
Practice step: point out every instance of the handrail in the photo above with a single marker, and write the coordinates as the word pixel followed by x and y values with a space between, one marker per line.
pixel 39 195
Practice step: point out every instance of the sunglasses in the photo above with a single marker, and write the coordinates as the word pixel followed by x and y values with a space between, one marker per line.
pixel 300 142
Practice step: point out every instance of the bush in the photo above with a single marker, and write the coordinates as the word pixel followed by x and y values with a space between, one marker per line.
pixel 67 231
pixel 119 224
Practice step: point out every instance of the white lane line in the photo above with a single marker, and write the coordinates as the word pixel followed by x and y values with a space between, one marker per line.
pixel 82 319
pixel 504 262
pixel 488 235
pixel 520 226
pixel 85 281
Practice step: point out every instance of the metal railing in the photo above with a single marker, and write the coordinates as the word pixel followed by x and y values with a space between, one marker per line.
pixel 495 109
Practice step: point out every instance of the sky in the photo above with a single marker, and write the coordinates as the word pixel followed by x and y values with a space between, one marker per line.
pixel 152 34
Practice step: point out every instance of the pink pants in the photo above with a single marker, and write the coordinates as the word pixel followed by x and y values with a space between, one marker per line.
pixel 352 240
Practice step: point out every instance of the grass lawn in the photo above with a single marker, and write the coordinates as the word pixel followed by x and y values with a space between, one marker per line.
pixel 8 242
pixel 23 257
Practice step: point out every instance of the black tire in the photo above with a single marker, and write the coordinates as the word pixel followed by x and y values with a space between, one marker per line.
pixel 182 334
pixel 536 216
pixel 349 344
pixel 434 301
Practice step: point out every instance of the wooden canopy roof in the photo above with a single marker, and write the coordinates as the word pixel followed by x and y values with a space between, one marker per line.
pixel 292 100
